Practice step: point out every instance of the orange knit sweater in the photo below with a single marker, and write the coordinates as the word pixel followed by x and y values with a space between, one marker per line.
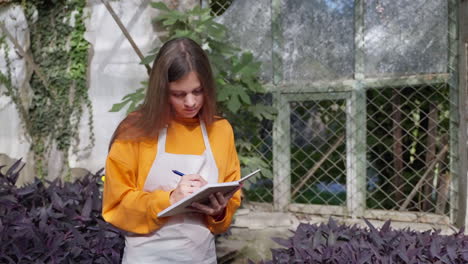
pixel 128 207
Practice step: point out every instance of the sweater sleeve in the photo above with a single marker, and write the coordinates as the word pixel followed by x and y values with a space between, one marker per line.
pixel 124 205
pixel 233 174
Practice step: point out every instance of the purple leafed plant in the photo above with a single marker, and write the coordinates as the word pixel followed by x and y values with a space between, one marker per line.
pixel 55 222
pixel 332 243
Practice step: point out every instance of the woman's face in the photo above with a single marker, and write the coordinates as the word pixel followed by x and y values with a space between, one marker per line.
pixel 186 96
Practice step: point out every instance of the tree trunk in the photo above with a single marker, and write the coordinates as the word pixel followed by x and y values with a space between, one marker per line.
pixel 443 189
pixel 445 177
pixel 397 131
pixel 430 155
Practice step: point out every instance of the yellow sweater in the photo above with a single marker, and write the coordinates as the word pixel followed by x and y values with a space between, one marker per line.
pixel 128 207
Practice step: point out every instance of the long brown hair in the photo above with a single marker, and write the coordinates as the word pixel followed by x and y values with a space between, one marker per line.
pixel 175 59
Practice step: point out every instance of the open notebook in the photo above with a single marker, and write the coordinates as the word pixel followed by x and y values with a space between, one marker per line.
pixel 201 196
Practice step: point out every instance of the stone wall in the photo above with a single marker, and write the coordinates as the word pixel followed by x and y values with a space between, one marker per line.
pixel 252 231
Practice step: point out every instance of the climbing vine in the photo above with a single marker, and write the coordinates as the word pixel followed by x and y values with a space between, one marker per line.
pixel 60 51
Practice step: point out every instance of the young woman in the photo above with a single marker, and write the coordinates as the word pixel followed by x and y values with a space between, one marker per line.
pixel 174 129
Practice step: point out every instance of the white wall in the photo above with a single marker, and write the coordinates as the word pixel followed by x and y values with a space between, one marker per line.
pixel 113 72
pixel 13 141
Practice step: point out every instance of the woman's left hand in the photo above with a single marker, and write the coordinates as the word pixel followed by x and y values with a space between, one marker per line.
pixel 217 206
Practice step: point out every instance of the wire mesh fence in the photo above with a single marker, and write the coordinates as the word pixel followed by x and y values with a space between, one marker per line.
pixel 318 147
pixel 408 131
pixel 366 96
pixel 219 6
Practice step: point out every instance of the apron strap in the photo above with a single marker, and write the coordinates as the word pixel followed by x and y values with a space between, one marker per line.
pixel 205 135
pixel 162 140
pixel 209 157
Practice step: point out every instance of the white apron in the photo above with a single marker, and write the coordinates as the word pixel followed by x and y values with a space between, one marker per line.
pixel 184 238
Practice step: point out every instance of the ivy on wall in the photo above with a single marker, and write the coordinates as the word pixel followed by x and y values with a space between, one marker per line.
pixel 59 49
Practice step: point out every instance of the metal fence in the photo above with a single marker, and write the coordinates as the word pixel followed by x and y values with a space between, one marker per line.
pixel 218 6
pixel 367 100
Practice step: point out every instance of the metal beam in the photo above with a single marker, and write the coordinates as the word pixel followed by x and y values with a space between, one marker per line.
pixel 349 84
pixel 454 104
pixel 356 125
pixel 281 126
pixel 462 219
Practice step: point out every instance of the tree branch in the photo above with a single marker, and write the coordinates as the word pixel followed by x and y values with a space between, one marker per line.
pixel 420 182
pixel 29 59
pixel 317 165
pixel 126 33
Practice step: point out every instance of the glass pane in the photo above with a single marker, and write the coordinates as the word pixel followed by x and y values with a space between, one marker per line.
pixel 318 40
pixel 405 37
pixel 249 27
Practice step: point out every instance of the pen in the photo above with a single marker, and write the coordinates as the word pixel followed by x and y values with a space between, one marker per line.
pixel 178 172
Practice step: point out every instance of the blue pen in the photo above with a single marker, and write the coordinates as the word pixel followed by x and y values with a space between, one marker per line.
pixel 178 172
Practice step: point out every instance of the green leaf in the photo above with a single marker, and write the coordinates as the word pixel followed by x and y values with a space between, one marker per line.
pixel 216 31
pixel 206 17
pixel 246 57
pixel 199 29
pixel 249 71
pixel 132 107
pixel 160 6
pixel 242 63
pixel 148 59
pixel 223 94
pixel 253 161
pixel 117 107
pixel 230 91
pixel 244 96
pixel 242 144
pixel 253 85
pixel 140 92
pixel 182 33
pixel 154 51
pixel 178 15
pixel 261 111
pixel 169 21
pixel 234 104
pixel 220 81
pixel 198 11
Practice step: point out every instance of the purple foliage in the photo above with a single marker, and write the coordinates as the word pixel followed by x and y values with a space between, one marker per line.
pixel 55 222
pixel 332 243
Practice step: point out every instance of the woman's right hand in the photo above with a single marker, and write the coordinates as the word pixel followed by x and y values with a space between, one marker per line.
pixel 188 184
